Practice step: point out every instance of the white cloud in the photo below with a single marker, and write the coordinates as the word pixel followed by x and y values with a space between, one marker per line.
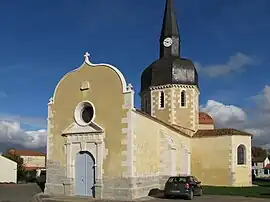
pixel 12 133
pixel 235 63
pixel 263 99
pixel 32 121
pixel 255 122
pixel 224 115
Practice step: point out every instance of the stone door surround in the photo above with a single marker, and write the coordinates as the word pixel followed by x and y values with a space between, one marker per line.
pixel 84 138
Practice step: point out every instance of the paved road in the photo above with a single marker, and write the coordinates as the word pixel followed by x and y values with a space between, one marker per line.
pixel 25 192
pixel 18 192
pixel 212 198
pixel 216 199
pixel 228 199
pixel 150 199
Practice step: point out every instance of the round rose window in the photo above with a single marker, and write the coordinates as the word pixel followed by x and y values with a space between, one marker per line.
pixel 87 114
pixel 84 113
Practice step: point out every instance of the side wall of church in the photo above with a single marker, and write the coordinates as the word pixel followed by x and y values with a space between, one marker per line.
pixel 211 160
pixel 158 153
pixel 241 173
pixel 214 160
pixel 111 113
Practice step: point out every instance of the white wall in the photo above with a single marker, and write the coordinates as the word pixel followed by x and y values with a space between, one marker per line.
pixel 8 170
pixel 259 167
pixel 34 161
pixel 266 161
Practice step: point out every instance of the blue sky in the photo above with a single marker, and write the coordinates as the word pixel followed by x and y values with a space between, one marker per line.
pixel 40 41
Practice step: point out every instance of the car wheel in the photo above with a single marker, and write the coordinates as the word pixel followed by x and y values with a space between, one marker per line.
pixel 166 196
pixel 190 196
pixel 200 193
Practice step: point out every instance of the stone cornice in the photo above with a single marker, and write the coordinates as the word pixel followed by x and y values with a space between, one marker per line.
pixel 167 86
pixel 172 86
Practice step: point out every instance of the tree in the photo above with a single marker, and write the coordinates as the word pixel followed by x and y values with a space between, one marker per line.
pixel 20 166
pixel 258 152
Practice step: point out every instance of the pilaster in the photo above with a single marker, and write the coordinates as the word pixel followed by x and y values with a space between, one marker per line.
pixel 49 125
pixel 127 131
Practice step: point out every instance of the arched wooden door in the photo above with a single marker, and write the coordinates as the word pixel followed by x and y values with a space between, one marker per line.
pixel 84 174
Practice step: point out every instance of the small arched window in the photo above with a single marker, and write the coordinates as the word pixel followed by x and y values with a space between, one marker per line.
pixel 183 98
pixel 161 100
pixel 241 155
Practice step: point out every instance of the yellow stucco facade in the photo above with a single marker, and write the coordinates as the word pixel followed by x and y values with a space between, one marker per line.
pixel 134 151
pixel 210 160
pixel 109 111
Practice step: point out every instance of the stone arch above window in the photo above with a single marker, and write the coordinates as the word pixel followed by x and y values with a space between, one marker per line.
pixel 183 97
pixel 161 99
pixel 241 155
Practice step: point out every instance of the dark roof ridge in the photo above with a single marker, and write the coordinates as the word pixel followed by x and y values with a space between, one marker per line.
pixel 220 132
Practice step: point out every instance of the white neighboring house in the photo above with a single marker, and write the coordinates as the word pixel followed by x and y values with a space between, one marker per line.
pixel 261 167
pixel 32 160
pixel 8 170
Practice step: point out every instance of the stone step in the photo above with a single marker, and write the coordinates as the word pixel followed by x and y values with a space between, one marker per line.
pixel 45 198
pixel 69 199
pixel 89 199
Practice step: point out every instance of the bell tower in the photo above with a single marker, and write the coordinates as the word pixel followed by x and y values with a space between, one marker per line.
pixel 169 86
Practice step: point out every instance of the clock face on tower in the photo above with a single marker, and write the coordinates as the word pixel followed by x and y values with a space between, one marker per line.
pixel 167 42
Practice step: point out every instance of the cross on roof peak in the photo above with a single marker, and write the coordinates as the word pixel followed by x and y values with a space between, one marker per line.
pixel 86 57
pixel 86 54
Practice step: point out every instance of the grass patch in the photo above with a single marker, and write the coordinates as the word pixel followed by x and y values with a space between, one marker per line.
pixel 262 182
pixel 256 191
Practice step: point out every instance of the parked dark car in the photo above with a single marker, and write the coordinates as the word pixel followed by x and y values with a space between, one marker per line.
pixel 42 177
pixel 30 176
pixel 182 186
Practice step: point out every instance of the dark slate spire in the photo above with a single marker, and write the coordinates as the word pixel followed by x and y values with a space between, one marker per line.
pixel 170 68
pixel 169 26
pixel 170 37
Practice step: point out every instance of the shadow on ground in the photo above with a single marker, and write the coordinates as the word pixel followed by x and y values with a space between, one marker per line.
pixel 265 194
pixel 262 182
pixel 41 186
pixel 156 193
pixel 159 194
pixel 18 192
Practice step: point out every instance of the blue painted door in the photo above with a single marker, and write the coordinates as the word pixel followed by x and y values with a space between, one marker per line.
pixel 84 174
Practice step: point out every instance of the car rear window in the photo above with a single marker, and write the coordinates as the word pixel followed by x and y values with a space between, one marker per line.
pixel 178 179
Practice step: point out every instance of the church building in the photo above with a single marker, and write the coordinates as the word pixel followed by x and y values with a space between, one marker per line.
pixel 99 145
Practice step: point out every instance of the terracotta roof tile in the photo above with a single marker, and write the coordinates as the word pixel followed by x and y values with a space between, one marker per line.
pixel 205 118
pixel 32 168
pixel 267 166
pixel 219 132
pixel 26 152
